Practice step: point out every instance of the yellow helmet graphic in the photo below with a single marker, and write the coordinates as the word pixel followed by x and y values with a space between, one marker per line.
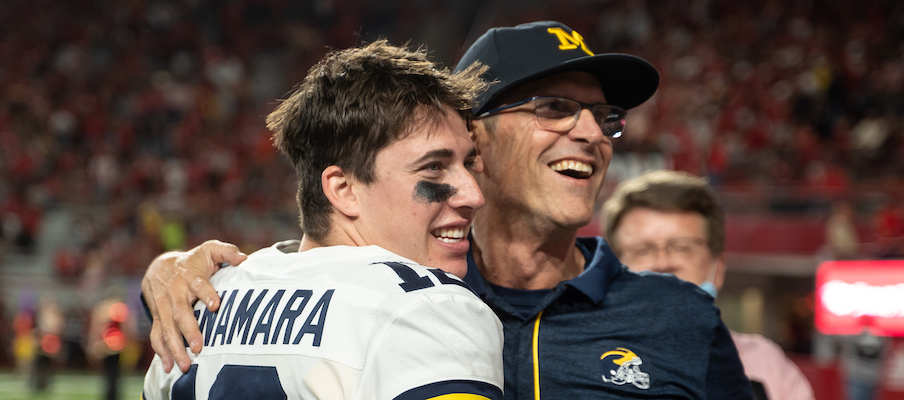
pixel 628 370
pixel 626 355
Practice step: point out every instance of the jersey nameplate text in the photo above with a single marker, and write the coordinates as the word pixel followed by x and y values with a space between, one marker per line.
pixel 264 316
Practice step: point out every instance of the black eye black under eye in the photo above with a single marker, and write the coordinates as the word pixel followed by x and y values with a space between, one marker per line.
pixel 431 192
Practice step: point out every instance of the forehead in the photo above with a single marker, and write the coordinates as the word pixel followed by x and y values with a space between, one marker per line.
pixel 428 123
pixel 427 131
pixel 643 224
pixel 577 85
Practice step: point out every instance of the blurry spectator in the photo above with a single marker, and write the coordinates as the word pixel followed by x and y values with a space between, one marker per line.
pixel 49 325
pixel 869 135
pixel 109 332
pixel 672 222
pixel 890 230
pixel 23 344
pixel 66 262
pixel 862 357
pixel 841 234
pixel 172 234
pixel 7 333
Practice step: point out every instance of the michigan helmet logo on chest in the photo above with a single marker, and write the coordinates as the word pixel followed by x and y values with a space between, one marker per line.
pixel 623 367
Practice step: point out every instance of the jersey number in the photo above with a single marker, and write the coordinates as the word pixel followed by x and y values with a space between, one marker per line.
pixel 412 281
pixel 234 382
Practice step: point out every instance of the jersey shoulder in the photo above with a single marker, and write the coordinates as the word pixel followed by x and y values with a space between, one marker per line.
pixel 368 267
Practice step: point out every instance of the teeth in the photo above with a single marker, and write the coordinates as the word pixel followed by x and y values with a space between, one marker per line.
pixel 571 165
pixel 454 235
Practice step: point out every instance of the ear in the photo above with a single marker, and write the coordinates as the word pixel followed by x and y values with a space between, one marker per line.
pixel 473 127
pixel 719 276
pixel 476 130
pixel 337 186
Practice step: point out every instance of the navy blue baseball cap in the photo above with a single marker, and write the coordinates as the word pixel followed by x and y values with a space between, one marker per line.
pixel 529 51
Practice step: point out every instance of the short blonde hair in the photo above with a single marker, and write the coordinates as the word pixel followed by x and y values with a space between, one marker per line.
pixel 669 191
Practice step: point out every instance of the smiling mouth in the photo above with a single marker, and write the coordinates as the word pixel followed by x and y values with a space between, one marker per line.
pixel 573 169
pixel 453 235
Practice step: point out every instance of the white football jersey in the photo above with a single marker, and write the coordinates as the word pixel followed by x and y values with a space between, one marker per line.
pixel 338 322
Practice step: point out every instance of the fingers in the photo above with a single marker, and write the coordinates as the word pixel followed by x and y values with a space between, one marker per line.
pixel 205 292
pixel 160 348
pixel 185 325
pixel 172 283
pixel 222 252
pixel 210 255
pixel 161 266
pixel 166 339
pixel 167 294
pixel 158 304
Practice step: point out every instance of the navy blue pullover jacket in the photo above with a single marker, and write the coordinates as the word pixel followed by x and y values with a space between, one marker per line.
pixel 614 334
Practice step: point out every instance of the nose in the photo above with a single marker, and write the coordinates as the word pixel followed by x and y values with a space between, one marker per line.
pixel 662 261
pixel 468 194
pixel 586 129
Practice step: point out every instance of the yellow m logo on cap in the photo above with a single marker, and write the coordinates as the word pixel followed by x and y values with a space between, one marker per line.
pixel 569 41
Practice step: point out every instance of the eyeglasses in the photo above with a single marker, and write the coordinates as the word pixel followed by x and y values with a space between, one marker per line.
pixel 682 249
pixel 561 115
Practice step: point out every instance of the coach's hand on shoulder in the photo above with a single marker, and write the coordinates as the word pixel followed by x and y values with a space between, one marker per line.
pixel 173 281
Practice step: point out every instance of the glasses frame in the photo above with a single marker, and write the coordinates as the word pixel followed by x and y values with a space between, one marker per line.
pixel 669 248
pixel 589 106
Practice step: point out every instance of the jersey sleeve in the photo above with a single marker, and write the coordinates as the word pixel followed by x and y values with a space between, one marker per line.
pixel 441 346
pixel 157 383
pixel 725 377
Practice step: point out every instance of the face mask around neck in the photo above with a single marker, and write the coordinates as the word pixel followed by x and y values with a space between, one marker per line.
pixel 708 286
pixel 710 289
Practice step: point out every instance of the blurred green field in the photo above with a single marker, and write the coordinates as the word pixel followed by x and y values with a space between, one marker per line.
pixel 68 386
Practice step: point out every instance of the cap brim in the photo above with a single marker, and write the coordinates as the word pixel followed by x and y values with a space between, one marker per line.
pixel 627 81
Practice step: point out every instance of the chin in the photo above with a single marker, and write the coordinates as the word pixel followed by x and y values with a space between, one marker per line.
pixel 574 221
pixel 572 211
pixel 455 267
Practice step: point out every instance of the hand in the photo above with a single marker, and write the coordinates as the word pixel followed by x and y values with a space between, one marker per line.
pixel 173 281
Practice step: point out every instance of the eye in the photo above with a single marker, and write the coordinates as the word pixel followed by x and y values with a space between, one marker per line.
pixel 682 248
pixel 644 251
pixel 639 252
pixel 667 270
pixel 555 108
pixel 432 170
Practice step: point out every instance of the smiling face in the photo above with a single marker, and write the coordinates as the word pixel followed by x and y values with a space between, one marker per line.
pixel 422 200
pixel 552 177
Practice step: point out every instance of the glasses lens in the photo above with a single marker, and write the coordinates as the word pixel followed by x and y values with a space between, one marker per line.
pixel 556 112
pixel 560 114
pixel 610 118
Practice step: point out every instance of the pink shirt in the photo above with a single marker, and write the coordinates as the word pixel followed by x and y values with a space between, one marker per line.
pixel 764 361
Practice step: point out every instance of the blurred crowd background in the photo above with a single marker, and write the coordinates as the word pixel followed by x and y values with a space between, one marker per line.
pixel 128 128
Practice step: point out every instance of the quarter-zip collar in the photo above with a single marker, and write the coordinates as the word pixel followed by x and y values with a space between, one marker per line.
pixel 600 268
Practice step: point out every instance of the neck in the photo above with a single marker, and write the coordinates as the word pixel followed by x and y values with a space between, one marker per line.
pixel 524 254
pixel 340 234
pixel 307 244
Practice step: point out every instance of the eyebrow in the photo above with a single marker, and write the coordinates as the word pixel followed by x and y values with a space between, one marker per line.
pixel 432 154
pixel 442 153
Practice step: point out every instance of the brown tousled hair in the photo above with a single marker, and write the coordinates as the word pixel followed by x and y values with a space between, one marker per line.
pixel 352 104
